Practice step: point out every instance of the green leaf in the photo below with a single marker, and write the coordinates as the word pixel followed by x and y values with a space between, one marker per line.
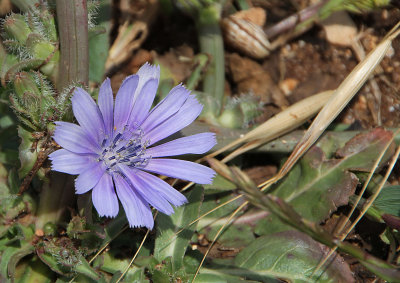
pixel 114 227
pixel 167 243
pixel 27 154
pixel 23 251
pixel 64 258
pixel 115 266
pixel 220 183
pixel 232 274
pixel 34 271
pixel 316 187
pixel 292 255
pixel 389 200
pixel 211 200
pixel 220 270
pixel 237 234
pixel 14 247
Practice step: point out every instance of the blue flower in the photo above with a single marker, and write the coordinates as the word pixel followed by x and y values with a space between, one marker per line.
pixel 111 148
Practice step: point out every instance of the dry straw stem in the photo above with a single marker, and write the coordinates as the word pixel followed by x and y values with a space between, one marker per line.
pixel 284 122
pixel 339 99
pixel 130 37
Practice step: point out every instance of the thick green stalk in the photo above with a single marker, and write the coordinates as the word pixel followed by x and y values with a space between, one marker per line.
pixel 58 193
pixel 74 44
pixel 211 43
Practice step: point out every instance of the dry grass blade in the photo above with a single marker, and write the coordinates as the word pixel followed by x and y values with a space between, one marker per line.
pixel 228 221
pixel 134 257
pixel 284 122
pixel 339 99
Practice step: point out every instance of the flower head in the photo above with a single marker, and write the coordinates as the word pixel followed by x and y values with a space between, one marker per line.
pixel 112 147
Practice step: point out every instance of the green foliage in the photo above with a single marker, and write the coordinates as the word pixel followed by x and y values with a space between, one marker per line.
pixel 170 244
pixel 388 200
pixel 254 247
pixel 317 186
pixel 14 245
pixel 32 38
pixel 293 256
pixel 61 255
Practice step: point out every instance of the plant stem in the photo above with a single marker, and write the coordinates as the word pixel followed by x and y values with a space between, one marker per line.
pixel 56 195
pixel 58 192
pixel 292 21
pixel 72 21
pixel 211 43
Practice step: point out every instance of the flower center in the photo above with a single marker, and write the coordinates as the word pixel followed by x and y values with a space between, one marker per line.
pixel 126 148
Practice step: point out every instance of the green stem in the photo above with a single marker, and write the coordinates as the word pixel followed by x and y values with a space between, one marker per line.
pixel 211 43
pixel 74 44
pixel 58 192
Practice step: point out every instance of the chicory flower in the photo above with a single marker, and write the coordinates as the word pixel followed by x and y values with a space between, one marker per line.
pixel 112 147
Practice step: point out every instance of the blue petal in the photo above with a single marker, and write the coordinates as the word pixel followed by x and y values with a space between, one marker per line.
pixel 162 188
pixel 73 138
pixel 124 101
pixel 147 72
pixel 143 103
pixel 185 116
pixel 70 163
pixel 104 197
pixel 88 114
pixel 149 76
pixel 148 194
pixel 166 108
pixel 136 208
pixel 88 179
pixel 181 169
pixel 106 105
pixel 195 144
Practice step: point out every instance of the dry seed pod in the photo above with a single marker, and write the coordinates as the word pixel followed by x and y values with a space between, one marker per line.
pixel 246 36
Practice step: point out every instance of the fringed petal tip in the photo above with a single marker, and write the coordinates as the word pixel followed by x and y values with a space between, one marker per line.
pixel 148 71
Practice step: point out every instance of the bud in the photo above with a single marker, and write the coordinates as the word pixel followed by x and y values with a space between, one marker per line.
pixel 26 89
pixel 49 24
pixel 46 51
pixel 239 112
pixel 231 117
pixel 33 99
pixel 50 229
pixel 250 108
pixel 16 27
